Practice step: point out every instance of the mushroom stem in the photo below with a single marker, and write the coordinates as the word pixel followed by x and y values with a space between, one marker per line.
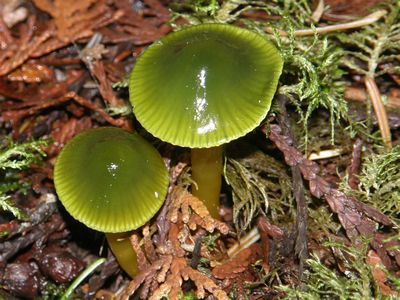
pixel 207 172
pixel 123 251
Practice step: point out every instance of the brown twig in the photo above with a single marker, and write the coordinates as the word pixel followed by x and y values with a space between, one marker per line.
pixel 38 233
pixel 372 18
pixel 301 249
pixel 356 217
pixel 379 109
pixel 318 12
pixel 38 215
pixel 16 116
pixel 355 163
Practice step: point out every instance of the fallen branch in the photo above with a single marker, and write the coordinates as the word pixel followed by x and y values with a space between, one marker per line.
pixel 372 18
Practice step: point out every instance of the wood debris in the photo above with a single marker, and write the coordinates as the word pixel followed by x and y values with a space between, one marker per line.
pixel 164 269
pixel 356 217
pixel 74 19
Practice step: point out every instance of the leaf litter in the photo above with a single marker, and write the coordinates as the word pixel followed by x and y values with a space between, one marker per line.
pixel 303 228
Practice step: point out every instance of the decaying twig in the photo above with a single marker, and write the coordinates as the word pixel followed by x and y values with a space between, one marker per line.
pixel 354 168
pixel 379 109
pixel 356 217
pixel 301 248
pixel 370 19
pixel 163 274
pixel 34 108
pixel 10 248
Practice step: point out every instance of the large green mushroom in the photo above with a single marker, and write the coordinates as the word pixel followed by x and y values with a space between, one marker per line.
pixel 112 181
pixel 202 87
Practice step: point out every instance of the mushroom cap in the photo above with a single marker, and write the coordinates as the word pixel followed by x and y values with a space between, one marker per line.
pixel 205 85
pixel 110 180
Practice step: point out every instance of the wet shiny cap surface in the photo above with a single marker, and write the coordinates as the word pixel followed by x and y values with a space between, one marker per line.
pixel 110 180
pixel 205 85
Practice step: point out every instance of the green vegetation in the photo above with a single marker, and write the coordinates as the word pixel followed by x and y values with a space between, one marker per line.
pixel 355 281
pixel 260 184
pixel 14 158
pixel 380 181
pixel 374 45
pixel 83 276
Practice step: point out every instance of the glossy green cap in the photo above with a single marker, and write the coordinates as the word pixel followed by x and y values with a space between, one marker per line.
pixel 205 85
pixel 110 180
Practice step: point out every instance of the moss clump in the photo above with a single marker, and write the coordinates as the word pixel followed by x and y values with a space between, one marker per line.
pixel 14 158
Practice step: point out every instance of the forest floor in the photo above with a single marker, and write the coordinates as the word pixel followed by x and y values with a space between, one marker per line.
pixel 315 188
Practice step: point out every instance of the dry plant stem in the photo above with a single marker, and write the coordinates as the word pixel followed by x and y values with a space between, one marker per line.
pixel 121 247
pixel 354 168
pixel 372 18
pixel 207 172
pixel 245 242
pixel 379 109
pixel 324 154
pixel 317 14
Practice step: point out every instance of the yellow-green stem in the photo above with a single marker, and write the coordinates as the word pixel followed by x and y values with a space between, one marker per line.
pixel 123 251
pixel 207 172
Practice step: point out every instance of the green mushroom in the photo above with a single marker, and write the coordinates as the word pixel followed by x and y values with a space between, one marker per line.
pixel 112 181
pixel 202 87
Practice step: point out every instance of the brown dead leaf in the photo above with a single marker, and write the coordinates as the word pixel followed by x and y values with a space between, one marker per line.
pixel 181 271
pixel 73 18
pixel 65 131
pixel 141 257
pixel 267 231
pixel 141 26
pixel 379 274
pixel 360 95
pixel 35 94
pixel 20 50
pixel 32 73
pixel 239 263
pixel 105 88
pixel 18 114
pixel 12 12
pixel 148 244
pixel 345 10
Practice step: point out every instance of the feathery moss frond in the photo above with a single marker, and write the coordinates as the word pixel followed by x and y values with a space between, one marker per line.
pixel 15 157
pixel 355 282
pixel 380 182
pixel 20 156
pixel 259 184
pixel 7 205
pixel 374 44
pixel 314 62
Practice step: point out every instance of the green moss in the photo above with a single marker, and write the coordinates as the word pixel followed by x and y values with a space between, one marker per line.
pixel 321 282
pixel 259 184
pixel 14 158
pixel 379 181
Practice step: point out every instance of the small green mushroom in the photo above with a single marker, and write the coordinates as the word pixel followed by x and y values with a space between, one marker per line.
pixel 112 181
pixel 202 87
